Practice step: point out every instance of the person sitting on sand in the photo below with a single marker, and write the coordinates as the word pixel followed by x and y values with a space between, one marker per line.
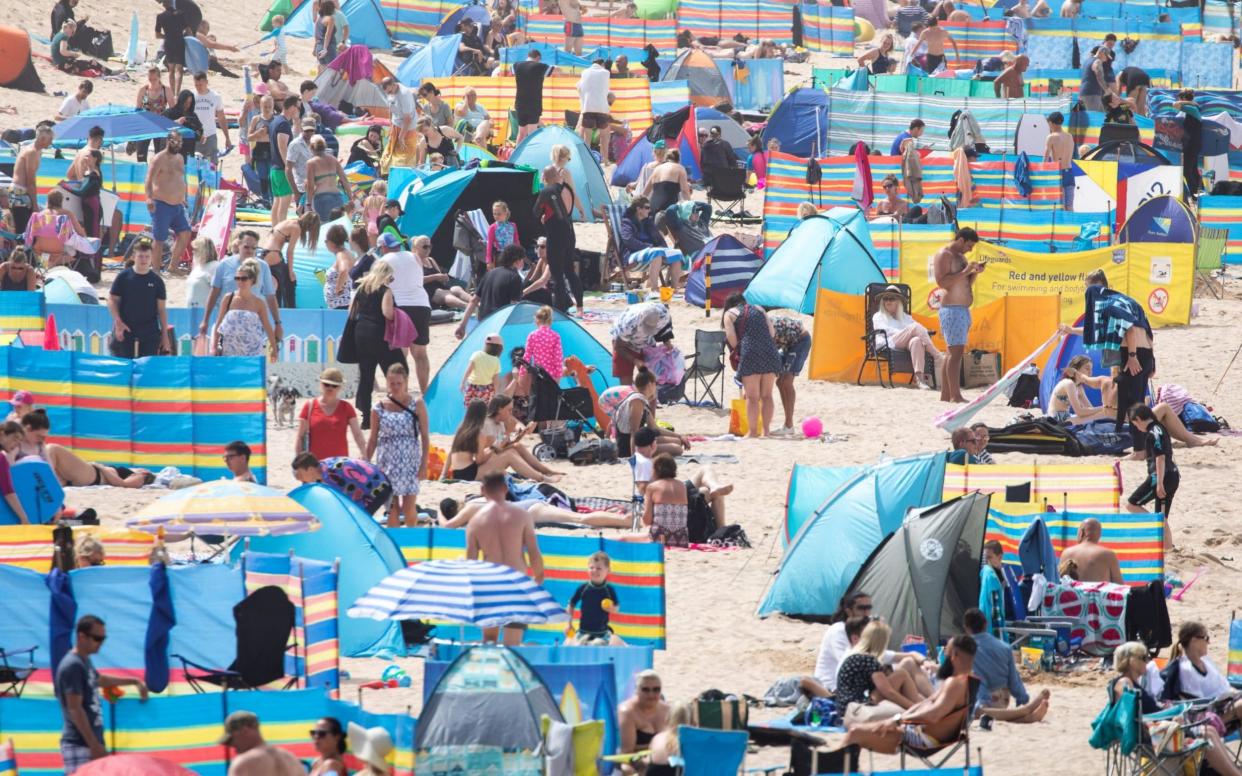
pixel 705 479
pixel 1198 676
pixel 472 456
pixel 982 437
pixel 237 459
pixel 932 722
pixel 817 687
pixel 504 432
pixel 670 516
pixel 866 690
pixel 642 716
pixel 1130 660
pixel 1069 403
pixel 1092 562
pixel 71 470
pixel 306 469
pixel 637 410
pixel 963 441
pixel 455 514
pixel 998 674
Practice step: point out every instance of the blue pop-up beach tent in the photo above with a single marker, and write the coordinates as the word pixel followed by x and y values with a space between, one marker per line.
pixel 366 23
pixel 536 152
pixel 832 251
pixel 800 123
pixel 438 59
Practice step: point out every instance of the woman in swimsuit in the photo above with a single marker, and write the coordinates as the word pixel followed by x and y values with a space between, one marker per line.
pixel 668 183
pixel 1069 402
pixel 323 172
pixel 474 454
pixel 638 410
pixel 553 208
pixel 16 274
pixel 436 140
pixel 71 470
pixel 373 207
pixel 336 285
pixel 330 745
pixel 666 504
pixel 880 61
pixel 561 157
pixel 284 238
pixel 154 96
pixel 642 716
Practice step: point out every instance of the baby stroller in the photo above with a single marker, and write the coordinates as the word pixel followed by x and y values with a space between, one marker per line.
pixel 570 411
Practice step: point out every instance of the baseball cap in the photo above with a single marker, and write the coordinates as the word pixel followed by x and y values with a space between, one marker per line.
pixel 23 398
pixel 309 122
pixel 388 240
pixel 494 339
pixel 393 203
pixel 235 722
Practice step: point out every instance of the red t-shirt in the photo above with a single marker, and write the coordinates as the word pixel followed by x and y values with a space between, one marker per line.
pixel 328 433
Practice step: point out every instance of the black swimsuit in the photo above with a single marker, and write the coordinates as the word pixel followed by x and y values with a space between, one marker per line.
pixel 642 739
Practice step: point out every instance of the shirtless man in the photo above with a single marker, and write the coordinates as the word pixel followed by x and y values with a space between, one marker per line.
pixel 930 723
pixel 572 11
pixel 1009 83
pixel 1059 148
pixel 26 177
pixel 255 756
pixel 505 534
pixel 642 716
pixel 935 39
pixel 94 142
pixel 166 195
pixel 1094 562
pixel 956 277
pixel 275 86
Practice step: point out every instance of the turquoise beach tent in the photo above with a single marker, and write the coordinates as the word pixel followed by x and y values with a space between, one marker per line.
pixel 438 59
pixel 832 251
pixel 512 323
pixel 366 553
pixel 366 23
pixel 835 539
pixel 307 260
pixel 536 151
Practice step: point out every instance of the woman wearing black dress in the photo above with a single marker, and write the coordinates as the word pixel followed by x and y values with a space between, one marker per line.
pixel 553 208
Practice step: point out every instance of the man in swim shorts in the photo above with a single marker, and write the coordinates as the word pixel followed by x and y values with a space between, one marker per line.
pixel 165 192
pixel 572 11
pixel 956 276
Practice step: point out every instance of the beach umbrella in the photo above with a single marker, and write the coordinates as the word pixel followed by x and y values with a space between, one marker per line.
pixel 225 508
pixel 473 592
pixel 120 123
pixel 129 764
pixel 361 482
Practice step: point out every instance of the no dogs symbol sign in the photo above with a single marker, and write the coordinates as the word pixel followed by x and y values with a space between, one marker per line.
pixel 1158 300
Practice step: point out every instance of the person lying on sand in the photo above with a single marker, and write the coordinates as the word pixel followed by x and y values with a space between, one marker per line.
pixel 71 470
pixel 454 514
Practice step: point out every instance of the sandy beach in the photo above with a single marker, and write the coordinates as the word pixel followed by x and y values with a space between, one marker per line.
pixel 714 638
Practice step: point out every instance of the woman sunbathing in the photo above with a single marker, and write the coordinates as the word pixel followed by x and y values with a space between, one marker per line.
pixel 71 470
pixel 473 455
pixel 454 514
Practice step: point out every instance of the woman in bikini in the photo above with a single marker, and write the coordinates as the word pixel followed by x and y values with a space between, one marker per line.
pixel 71 470
pixel 474 454
pixel 642 717
pixel 284 239
pixel 1069 402
pixel 436 140
pixel 153 96
pixel 323 173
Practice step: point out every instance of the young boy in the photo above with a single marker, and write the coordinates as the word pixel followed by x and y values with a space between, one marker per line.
pixel 1162 474
pixel 598 598
pixel 306 469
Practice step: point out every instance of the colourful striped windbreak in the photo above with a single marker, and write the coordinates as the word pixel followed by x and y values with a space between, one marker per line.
pixel 1138 539
pixel 977 41
pixel 1023 489
pixel 415 20
pixel 1235 653
pixel 30 546
pixel 1051 229
pixel 151 412
pixel 637 574
pixel 185 730
pixel 829 29
pixel 766 19
pixel 8 759
pixel 609 32
pixel 1224 212
pixel 20 311
pixel 560 94
pixel 312 589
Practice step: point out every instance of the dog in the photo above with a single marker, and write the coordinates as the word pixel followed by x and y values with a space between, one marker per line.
pixel 283 399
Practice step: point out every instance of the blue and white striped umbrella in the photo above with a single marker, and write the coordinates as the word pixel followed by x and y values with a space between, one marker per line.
pixel 473 592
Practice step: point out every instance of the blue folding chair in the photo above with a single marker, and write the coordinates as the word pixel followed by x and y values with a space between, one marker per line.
pixel 710 752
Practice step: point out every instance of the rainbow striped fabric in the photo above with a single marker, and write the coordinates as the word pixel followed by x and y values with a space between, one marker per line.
pixel 1138 539
pixel 637 574
pixel 977 41
pixel 1235 653
pixel 312 589
pixel 1024 489
pixel 828 28
pixel 152 412
pixel 766 19
pixel 608 32
pixel 21 311
pixel 1224 212
pixel 30 546
pixel 668 96
pixel 8 759
pixel 415 20
pixel 1032 229
pixel 184 730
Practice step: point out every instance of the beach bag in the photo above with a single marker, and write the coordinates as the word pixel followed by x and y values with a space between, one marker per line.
pixel 732 535
pixel 1100 437
pixel 1025 391
pixel 716 711
pixel 346 345
pixel 1117 722
pixel 1197 418
pixel 837 761
pixel 399 330
pixel 436 458
pixel 784 692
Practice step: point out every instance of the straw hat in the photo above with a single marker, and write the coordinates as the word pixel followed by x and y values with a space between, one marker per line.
pixel 332 376
pixel 370 745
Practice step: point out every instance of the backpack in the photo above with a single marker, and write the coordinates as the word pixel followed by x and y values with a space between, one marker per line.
pixel 1025 391
pixel 1197 418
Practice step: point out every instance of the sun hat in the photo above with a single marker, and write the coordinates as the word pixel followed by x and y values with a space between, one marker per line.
pixel 892 291
pixel 370 745
pixel 332 376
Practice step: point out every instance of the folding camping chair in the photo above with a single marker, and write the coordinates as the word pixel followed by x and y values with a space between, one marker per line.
pixel 946 750
pixel 1144 759
pixel 13 677
pixel 612 224
pixel 710 752
pixel 875 343
pixel 570 750
pixel 264 623
pixel 705 367
pixel 1208 252
pixel 726 190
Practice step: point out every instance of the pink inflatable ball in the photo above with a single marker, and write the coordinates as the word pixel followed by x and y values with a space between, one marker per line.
pixel 812 427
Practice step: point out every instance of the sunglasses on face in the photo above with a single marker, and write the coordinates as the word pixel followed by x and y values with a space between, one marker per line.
pixel 96 638
pixel 317 734
pixel 650 689
pixel 240 278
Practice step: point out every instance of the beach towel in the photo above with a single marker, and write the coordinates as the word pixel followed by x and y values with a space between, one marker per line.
pixel 1099 609
pixel 1110 314
pixel 962 179
pixel 703 459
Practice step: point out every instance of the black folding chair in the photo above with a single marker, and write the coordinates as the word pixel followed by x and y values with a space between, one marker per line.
pixel 13 677
pixel 875 343
pixel 935 757
pixel 705 368
pixel 726 191
pixel 264 621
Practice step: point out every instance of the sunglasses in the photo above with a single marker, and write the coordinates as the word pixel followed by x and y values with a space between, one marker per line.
pixel 240 278
pixel 650 689
pixel 96 638
pixel 864 607
pixel 317 734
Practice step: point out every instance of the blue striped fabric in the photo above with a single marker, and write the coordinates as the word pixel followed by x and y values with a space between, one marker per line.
pixel 473 592
pixel 1220 17
pixel 1136 538
pixel 668 96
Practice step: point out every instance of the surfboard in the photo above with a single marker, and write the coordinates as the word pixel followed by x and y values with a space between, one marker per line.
pixel 1030 135
pixel 38 490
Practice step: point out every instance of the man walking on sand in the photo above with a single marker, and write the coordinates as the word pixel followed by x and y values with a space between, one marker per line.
pixel 166 195
pixel 956 277
pixel 26 176
pixel 503 533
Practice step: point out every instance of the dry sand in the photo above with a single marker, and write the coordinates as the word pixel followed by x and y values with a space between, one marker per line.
pixel 714 637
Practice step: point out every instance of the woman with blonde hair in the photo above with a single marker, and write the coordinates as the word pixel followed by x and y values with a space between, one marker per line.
pixel 278 252
pixel 667 744
pixel 561 157
pixel 371 309
pixel 1198 676
pixel 243 318
pixel 868 690
pixel 88 551
pixel 895 329
pixel 198 284
pixel 323 173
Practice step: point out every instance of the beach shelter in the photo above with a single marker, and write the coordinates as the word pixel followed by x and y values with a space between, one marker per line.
pixel 1059 358
pixel 536 152
pixel 1163 219
pixel 17 71
pixel 1125 151
pixel 707 85
pixel 484 711
pixel 730 131
pixel 354 78
pixel 678 129
pixel 366 23
pixel 728 264
pixel 448 25
pixel 854 515
pixel 438 59
pixel 925 575
pixel 367 556
pixel 831 251
pixel 800 123
pixel 430 205
pixel 513 323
